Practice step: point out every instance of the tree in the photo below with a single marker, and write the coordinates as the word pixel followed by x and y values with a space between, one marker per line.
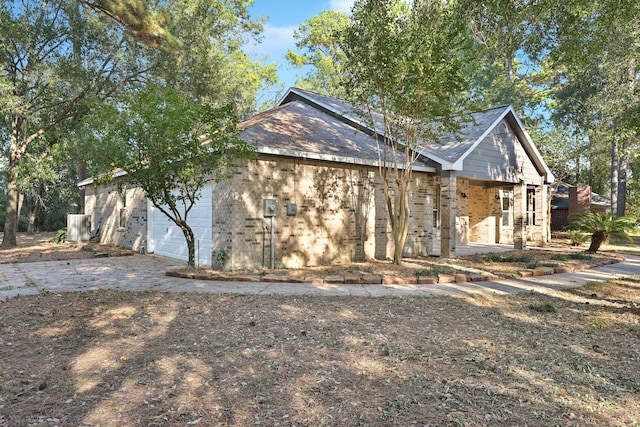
pixel 147 25
pixel 602 226
pixel 211 66
pixel 594 49
pixel 59 59
pixel 406 67
pixel 319 40
pixel 500 28
pixel 169 146
pixel 41 83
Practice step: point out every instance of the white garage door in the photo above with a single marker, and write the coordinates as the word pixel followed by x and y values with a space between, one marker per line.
pixel 166 239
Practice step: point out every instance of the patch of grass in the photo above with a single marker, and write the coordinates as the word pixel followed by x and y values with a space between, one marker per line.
pixel 511 259
pixel 598 324
pixel 310 360
pixel 442 270
pixel 357 269
pixel 547 307
pixel 578 256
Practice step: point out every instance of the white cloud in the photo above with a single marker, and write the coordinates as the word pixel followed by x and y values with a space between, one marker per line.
pixel 275 40
pixel 341 5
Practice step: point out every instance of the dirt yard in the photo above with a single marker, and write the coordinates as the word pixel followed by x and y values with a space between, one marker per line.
pixel 36 247
pixel 110 358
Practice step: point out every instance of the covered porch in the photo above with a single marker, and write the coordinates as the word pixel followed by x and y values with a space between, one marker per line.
pixel 479 216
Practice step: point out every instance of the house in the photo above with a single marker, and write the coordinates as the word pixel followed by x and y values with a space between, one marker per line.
pixel 313 195
pixel 567 199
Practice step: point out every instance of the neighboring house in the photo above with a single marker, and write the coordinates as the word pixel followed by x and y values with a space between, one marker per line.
pixel 317 172
pixel 567 199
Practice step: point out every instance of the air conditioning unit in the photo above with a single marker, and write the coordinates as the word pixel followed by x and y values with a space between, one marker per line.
pixel 78 228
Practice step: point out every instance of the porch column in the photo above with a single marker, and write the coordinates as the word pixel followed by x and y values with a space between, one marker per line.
pixel 448 205
pixel 520 216
pixel 545 211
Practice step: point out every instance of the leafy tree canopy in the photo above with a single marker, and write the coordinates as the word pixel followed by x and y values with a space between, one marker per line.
pixel 318 40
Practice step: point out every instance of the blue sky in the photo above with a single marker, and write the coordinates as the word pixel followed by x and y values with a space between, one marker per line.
pixel 283 17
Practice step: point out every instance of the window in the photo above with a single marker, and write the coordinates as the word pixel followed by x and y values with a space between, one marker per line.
pixel 506 202
pixel 531 206
pixel 436 206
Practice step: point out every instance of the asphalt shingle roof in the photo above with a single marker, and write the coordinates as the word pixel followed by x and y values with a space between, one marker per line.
pixel 303 128
pixel 449 147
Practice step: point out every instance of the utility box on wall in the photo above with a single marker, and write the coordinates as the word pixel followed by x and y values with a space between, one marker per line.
pixel 269 208
pixel 78 228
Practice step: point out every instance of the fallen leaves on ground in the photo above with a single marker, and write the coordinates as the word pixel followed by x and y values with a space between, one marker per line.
pixel 109 358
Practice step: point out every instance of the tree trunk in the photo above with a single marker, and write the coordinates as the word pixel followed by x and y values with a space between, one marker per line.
pixel 597 239
pixel 400 224
pixel 82 175
pixel 509 63
pixel 615 169
pixel 623 166
pixel 191 243
pixel 33 210
pixel 11 218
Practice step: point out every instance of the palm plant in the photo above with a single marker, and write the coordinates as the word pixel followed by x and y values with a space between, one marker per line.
pixel 601 226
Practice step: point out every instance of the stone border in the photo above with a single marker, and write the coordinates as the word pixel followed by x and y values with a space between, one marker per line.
pixel 373 279
pixel 546 271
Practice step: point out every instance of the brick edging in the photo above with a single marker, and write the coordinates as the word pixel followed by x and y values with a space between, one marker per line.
pixel 374 279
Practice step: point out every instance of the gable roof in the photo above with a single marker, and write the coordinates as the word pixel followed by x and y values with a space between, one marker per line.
pixel 297 129
pixel 450 150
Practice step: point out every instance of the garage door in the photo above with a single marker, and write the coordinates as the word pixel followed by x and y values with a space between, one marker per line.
pixel 166 239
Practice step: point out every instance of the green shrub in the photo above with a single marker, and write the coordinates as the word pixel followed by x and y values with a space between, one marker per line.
pixel 423 273
pixel 222 256
pixel 442 270
pixel 577 238
pixel 60 237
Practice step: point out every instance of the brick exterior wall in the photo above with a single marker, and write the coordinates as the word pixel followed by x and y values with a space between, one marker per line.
pixel 341 214
pixel 485 216
pixel 104 204
pixel 579 199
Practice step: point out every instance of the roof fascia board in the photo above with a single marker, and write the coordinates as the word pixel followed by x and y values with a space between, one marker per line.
pixel 89 181
pixel 331 158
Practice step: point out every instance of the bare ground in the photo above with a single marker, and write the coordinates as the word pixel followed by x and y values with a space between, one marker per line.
pixel 110 358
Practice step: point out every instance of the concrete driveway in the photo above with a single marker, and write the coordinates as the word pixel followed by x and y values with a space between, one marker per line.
pixel 147 273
